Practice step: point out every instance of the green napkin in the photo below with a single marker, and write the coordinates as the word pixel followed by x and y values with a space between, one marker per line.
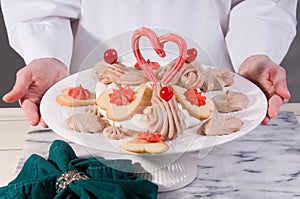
pixel 38 177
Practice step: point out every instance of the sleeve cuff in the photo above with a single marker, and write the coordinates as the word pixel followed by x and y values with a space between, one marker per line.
pixel 50 38
pixel 258 37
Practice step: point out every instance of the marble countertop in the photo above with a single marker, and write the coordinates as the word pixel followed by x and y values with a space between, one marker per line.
pixel 265 163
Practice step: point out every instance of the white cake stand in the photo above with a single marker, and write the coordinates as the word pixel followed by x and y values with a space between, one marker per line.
pixel 169 177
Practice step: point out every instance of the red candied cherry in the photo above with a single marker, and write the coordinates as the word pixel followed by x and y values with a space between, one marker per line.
pixel 166 93
pixel 191 55
pixel 110 56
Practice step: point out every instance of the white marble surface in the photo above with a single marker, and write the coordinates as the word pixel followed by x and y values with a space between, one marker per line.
pixel 265 163
pixel 262 164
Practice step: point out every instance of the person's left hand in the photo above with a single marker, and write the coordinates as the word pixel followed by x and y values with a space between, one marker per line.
pixel 271 78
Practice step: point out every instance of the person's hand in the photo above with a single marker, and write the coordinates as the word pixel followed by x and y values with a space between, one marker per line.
pixel 271 78
pixel 32 81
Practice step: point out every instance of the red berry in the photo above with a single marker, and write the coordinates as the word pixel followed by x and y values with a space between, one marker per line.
pixel 166 93
pixel 191 55
pixel 110 56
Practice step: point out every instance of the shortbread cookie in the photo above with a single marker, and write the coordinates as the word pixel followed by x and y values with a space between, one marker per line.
pixel 143 146
pixel 200 112
pixel 65 100
pixel 123 112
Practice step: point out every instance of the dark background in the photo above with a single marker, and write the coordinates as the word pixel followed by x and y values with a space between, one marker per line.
pixel 11 62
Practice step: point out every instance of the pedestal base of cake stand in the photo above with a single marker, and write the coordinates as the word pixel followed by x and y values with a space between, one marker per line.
pixel 169 172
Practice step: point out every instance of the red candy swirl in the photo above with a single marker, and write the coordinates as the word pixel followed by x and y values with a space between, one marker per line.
pixel 158 46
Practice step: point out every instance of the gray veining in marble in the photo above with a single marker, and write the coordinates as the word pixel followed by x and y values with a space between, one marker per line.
pixel 264 163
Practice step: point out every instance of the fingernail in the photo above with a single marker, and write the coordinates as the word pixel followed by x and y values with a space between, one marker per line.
pixel 265 120
pixel 4 96
pixel 33 123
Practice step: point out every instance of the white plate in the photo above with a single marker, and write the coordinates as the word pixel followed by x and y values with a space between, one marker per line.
pixel 55 116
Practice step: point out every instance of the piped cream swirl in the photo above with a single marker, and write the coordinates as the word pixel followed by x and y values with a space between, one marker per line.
pixel 113 133
pixel 189 76
pixel 164 116
pixel 88 121
pixel 118 73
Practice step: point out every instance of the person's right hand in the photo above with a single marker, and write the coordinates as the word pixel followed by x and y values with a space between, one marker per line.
pixel 32 81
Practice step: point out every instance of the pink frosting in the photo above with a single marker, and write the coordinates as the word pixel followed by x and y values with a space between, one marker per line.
pixel 79 93
pixel 195 97
pixel 122 96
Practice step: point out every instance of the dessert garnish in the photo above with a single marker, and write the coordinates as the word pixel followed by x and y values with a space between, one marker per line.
pixel 79 93
pixel 166 93
pixel 195 97
pixel 110 56
pixel 122 96
pixel 154 65
pixel 191 55
pixel 149 136
pixel 158 46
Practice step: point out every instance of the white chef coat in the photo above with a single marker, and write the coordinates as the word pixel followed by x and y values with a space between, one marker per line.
pixel 229 30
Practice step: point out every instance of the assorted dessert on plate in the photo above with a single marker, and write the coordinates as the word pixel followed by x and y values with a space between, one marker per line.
pixel 147 104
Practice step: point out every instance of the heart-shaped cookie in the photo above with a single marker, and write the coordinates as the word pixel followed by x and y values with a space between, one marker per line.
pixel 117 113
pixel 142 146
pixel 158 46
pixel 200 112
